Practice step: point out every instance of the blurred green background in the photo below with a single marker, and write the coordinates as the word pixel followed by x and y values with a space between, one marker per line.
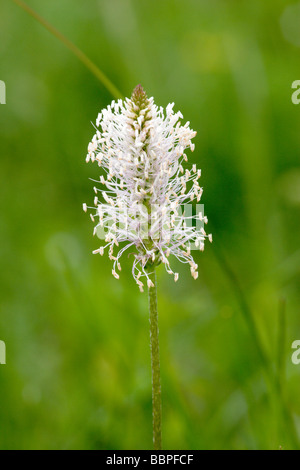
pixel 78 360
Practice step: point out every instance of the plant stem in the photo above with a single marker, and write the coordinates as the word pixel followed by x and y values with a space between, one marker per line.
pixel 155 365
pixel 274 380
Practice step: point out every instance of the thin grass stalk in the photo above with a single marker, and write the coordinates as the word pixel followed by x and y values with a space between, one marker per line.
pixel 84 59
pixel 155 362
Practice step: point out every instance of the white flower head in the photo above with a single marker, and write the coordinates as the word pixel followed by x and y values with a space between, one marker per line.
pixel 145 191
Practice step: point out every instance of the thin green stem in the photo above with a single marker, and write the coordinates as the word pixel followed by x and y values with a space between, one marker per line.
pixel 74 49
pixel 155 364
pixel 281 343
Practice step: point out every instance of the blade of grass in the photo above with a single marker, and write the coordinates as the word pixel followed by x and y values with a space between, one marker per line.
pixel 84 59
pixel 271 375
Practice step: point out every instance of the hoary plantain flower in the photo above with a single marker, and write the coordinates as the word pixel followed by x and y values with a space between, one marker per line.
pixel 146 203
pixel 145 188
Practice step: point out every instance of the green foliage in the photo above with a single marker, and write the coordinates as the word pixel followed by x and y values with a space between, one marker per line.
pixel 77 340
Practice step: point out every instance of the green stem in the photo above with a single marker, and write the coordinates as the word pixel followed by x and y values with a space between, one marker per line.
pixel 74 49
pixel 155 365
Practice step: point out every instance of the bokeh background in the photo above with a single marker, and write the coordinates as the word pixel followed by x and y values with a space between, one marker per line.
pixel 78 360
